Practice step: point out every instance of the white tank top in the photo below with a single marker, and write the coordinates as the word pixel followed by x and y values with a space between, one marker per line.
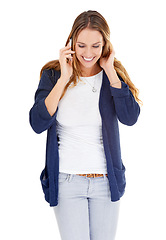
pixel 79 129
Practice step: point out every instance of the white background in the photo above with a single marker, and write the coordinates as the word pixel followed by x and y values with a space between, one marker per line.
pixel 32 32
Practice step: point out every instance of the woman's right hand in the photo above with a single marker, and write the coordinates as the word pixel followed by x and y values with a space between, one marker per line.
pixel 66 60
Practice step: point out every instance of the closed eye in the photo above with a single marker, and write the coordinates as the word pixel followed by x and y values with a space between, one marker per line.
pixel 81 46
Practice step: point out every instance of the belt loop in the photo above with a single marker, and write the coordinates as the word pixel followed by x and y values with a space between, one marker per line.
pixel 69 177
pixel 104 176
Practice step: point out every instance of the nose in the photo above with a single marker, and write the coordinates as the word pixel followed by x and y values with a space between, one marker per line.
pixel 88 52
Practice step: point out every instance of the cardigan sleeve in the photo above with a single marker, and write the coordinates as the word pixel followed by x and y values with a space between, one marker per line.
pixel 39 117
pixel 126 107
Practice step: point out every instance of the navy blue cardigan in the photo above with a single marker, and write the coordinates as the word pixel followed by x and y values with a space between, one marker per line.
pixel 114 104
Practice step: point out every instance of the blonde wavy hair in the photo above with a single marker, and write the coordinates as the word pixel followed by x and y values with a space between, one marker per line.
pixel 92 20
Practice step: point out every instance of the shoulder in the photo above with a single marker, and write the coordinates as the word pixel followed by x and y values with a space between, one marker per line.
pixel 52 74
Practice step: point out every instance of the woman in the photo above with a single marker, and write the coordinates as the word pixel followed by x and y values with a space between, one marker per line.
pixel 79 100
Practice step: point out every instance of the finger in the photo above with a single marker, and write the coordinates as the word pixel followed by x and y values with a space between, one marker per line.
pixel 68 44
pixel 69 52
pixel 68 56
pixel 69 61
pixel 113 51
pixel 64 49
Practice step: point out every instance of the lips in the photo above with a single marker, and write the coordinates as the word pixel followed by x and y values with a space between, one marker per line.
pixel 88 59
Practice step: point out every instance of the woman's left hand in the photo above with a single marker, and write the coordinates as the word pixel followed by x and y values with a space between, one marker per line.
pixel 108 62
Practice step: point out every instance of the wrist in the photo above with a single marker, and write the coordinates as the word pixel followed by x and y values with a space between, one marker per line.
pixel 109 69
pixel 113 77
pixel 63 78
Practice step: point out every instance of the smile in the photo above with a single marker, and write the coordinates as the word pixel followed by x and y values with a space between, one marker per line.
pixel 88 59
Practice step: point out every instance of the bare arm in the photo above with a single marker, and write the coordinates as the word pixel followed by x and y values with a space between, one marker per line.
pixel 108 65
pixel 52 99
pixel 113 77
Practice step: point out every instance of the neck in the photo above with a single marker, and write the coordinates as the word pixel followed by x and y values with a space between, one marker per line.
pixel 88 72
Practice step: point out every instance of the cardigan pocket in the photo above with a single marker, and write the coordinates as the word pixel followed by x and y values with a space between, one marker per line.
pixel 120 178
pixel 45 184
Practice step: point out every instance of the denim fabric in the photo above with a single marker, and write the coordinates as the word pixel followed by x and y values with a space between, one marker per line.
pixel 85 210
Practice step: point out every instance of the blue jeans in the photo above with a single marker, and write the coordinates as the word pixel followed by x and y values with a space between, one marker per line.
pixel 85 210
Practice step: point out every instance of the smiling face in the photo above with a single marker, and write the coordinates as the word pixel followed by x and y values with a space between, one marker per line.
pixel 88 50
